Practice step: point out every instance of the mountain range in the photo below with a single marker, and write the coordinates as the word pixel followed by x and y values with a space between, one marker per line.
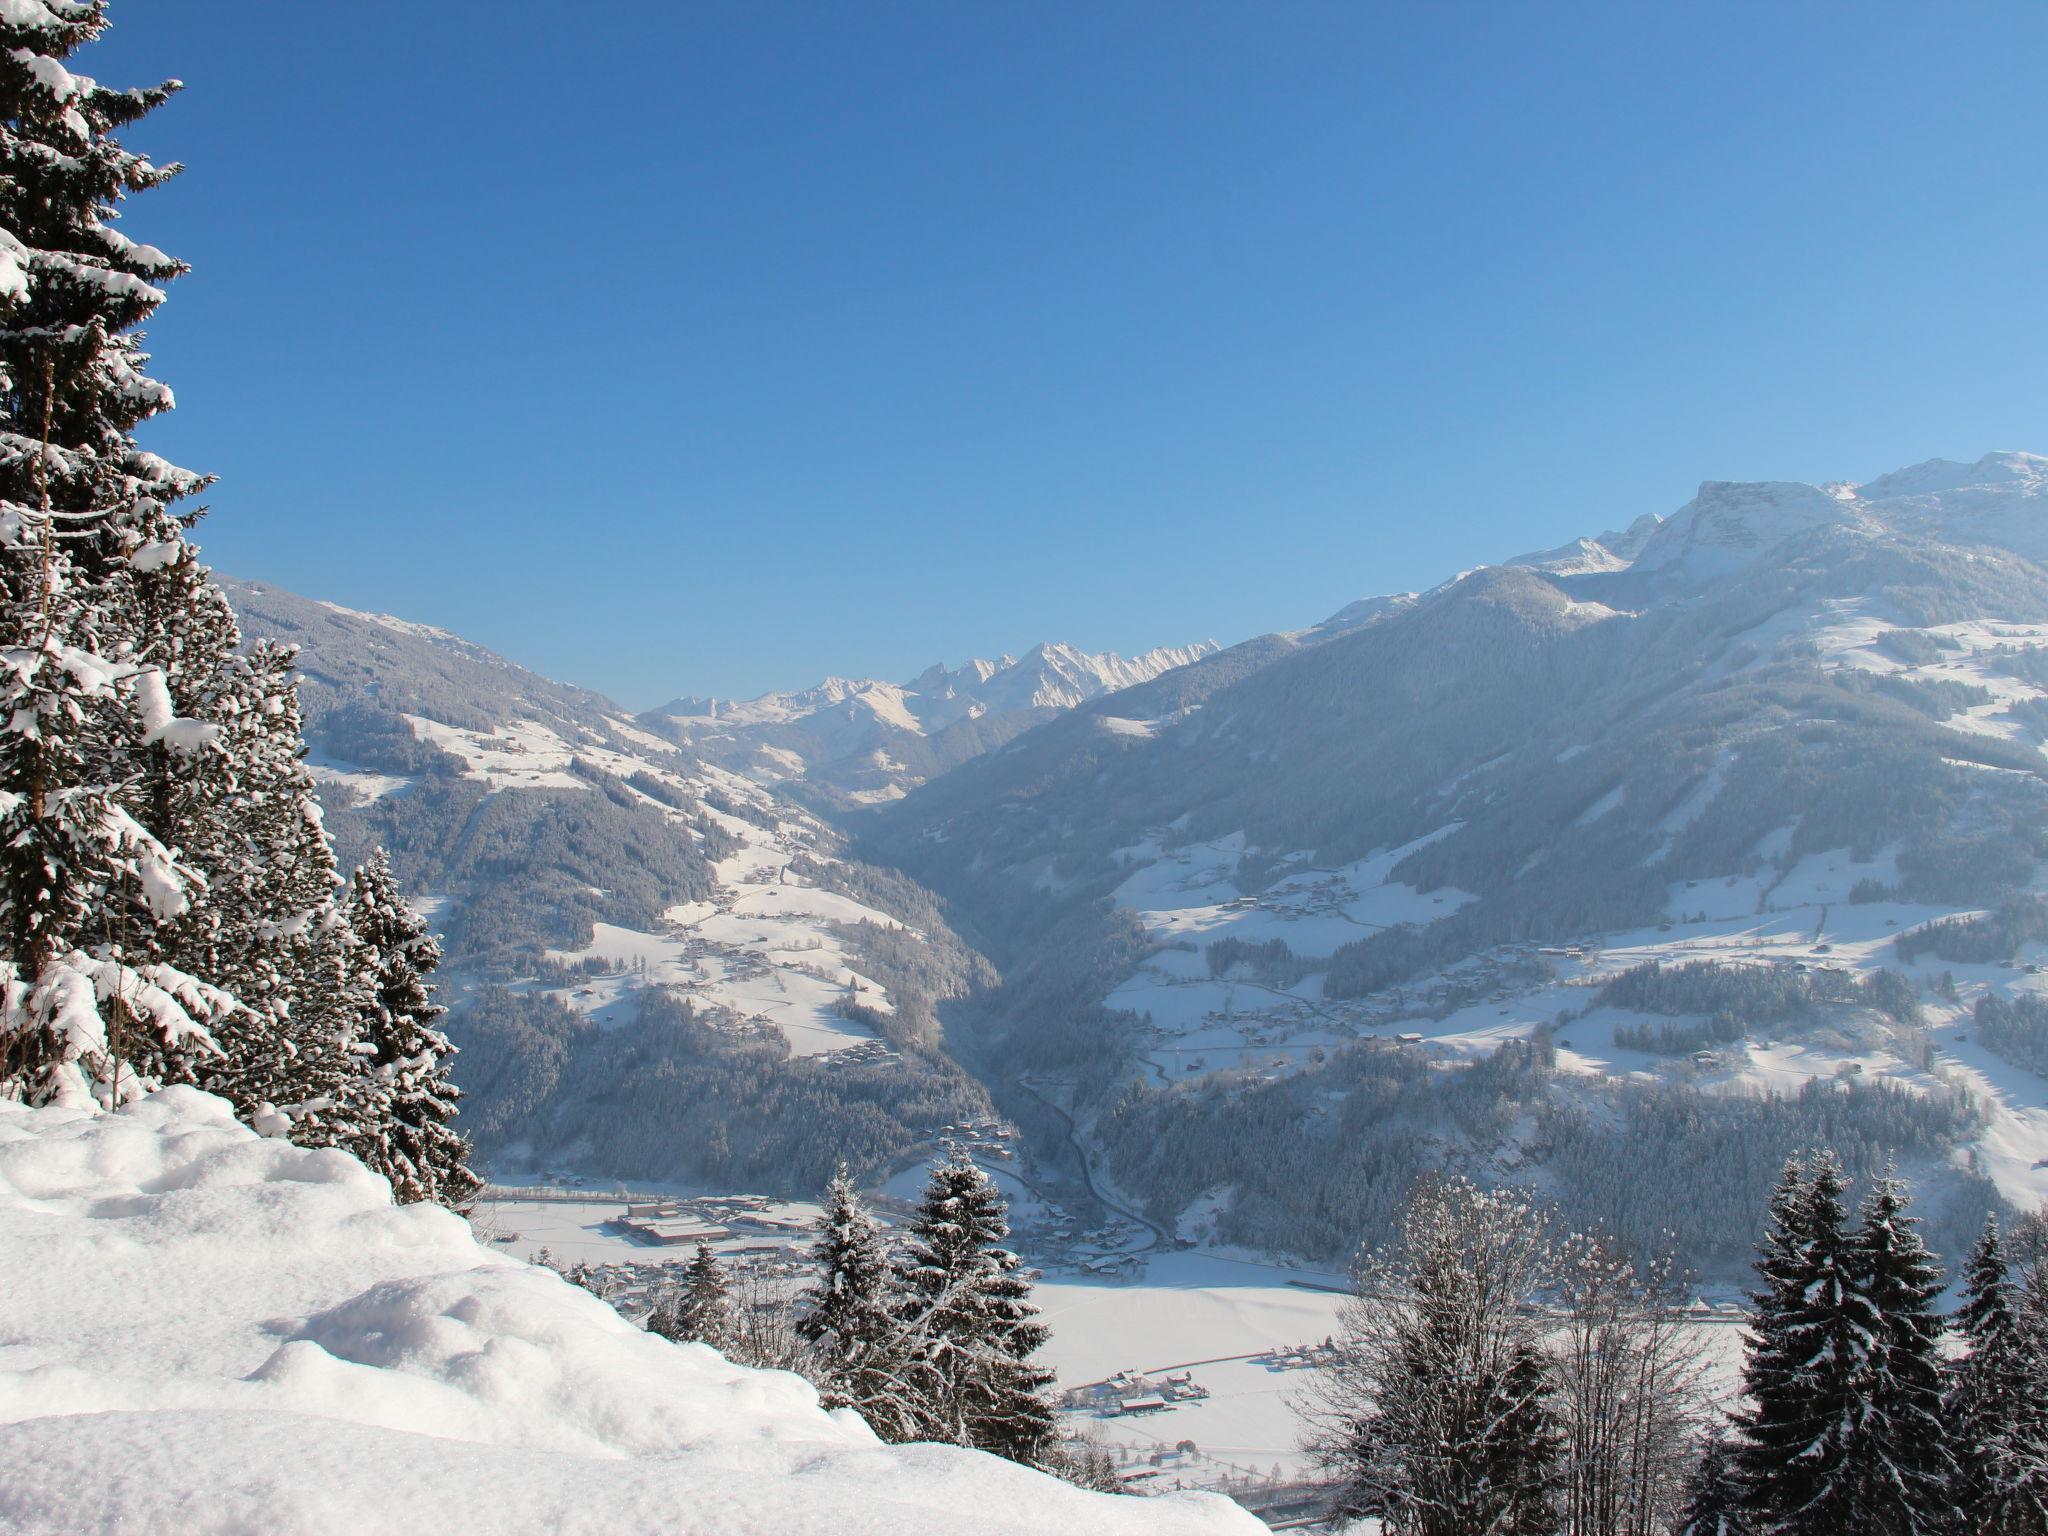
pixel 851 742
pixel 1622 868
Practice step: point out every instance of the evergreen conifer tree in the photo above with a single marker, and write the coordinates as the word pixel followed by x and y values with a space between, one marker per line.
pixel 1713 1499
pixel 1996 1406
pixel 1806 1364
pixel 1771 1372
pixel 699 1311
pixel 1525 1450
pixel 168 894
pixel 1900 1464
pixel 90 1010
pixel 408 1133
pixel 971 1322
pixel 852 1319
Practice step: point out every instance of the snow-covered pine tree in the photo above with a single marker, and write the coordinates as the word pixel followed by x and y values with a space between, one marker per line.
pixel 971 1322
pixel 1713 1497
pixel 699 1310
pixel 851 1318
pixel 1807 1358
pixel 89 1011
pixel 1997 1402
pixel 1418 1412
pixel 1899 1458
pixel 409 1135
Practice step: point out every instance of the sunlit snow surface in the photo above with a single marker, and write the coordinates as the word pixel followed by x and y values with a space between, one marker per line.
pixel 765 947
pixel 207 1332
pixel 1202 1023
pixel 1186 896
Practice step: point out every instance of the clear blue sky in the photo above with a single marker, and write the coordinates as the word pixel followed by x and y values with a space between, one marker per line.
pixel 712 347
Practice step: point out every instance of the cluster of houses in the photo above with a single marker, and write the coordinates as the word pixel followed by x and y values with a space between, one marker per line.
pixel 1130 1394
pixel 868 1053
pixel 714 1219
pixel 1298 1357
pixel 985 1137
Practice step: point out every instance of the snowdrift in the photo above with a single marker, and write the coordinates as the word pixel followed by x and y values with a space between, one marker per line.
pixel 205 1331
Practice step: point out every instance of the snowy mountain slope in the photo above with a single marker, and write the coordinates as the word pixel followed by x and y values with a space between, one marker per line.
pixel 862 742
pixel 2000 500
pixel 574 859
pixel 1730 523
pixel 1802 711
pixel 208 1332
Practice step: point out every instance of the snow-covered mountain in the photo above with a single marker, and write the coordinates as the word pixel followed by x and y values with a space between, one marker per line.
pixel 1610 551
pixel 2000 500
pixel 863 742
pixel 1780 730
pixel 1784 722
pixel 207 1332
pixel 571 859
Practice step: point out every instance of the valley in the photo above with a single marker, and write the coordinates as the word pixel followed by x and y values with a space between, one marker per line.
pixel 1270 929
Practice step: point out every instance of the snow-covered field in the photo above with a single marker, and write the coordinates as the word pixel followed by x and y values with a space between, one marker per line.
pixel 1193 1308
pixel 206 1332
pixel 1212 1316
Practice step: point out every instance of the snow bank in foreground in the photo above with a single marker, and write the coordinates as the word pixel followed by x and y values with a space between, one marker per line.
pixel 203 1331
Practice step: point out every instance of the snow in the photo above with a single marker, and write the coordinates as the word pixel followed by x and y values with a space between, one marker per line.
pixel 364 783
pixel 844 719
pixel 523 754
pixel 161 723
pixel 211 1332
pixel 1602 806
pixel 1208 1314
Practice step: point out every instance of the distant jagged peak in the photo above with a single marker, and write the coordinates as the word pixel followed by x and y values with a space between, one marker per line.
pixel 1051 675
pixel 1995 499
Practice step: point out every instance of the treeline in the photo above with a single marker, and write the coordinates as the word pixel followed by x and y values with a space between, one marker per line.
pixel 1271 962
pixel 670 1095
pixel 1500 1369
pixel 1735 997
pixel 1668 1039
pixel 1660 1165
pixel 2016 1028
pixel 1984 938
pixel 1320 1160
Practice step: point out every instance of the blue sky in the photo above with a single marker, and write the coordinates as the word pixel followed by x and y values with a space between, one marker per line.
pixel 713 347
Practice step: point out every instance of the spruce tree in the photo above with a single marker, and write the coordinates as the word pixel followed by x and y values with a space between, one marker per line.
pixel 699 1311
pixel 1806 1363
pixel 1997 1402
pixel 1713 1496
pixel 168 906
pixel 971 1323
pixel 90 1008
pixel 852 1320
pixel 1771 1370
pixel 408 1135
pixel 1900 1463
